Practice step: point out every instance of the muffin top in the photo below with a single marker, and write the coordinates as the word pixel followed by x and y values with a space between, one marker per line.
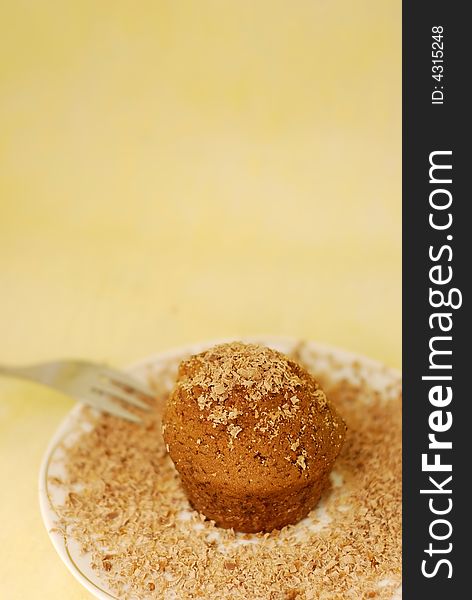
pixel 249 410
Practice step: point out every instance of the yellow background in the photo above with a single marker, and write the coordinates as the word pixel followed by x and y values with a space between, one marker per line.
pixel 174 171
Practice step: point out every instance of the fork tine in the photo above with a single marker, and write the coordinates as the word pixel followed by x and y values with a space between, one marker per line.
pixel 104 404
pixel 118 392
pixel 128 381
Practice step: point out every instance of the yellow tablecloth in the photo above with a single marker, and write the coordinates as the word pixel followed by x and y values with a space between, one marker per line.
pixel 178 171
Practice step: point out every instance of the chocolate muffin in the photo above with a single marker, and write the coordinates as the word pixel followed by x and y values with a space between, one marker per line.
pixel 252 436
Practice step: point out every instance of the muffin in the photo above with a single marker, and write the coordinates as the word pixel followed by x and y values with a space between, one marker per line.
pixel 252 436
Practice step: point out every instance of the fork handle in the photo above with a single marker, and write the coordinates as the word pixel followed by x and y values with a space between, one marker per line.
pixel 18 372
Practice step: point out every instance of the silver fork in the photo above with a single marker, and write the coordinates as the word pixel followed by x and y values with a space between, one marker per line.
pixel 88 382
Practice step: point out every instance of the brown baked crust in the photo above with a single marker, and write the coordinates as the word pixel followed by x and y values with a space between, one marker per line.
pixel 252 436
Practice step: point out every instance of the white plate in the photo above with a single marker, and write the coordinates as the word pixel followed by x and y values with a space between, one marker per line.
pixel 78 564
